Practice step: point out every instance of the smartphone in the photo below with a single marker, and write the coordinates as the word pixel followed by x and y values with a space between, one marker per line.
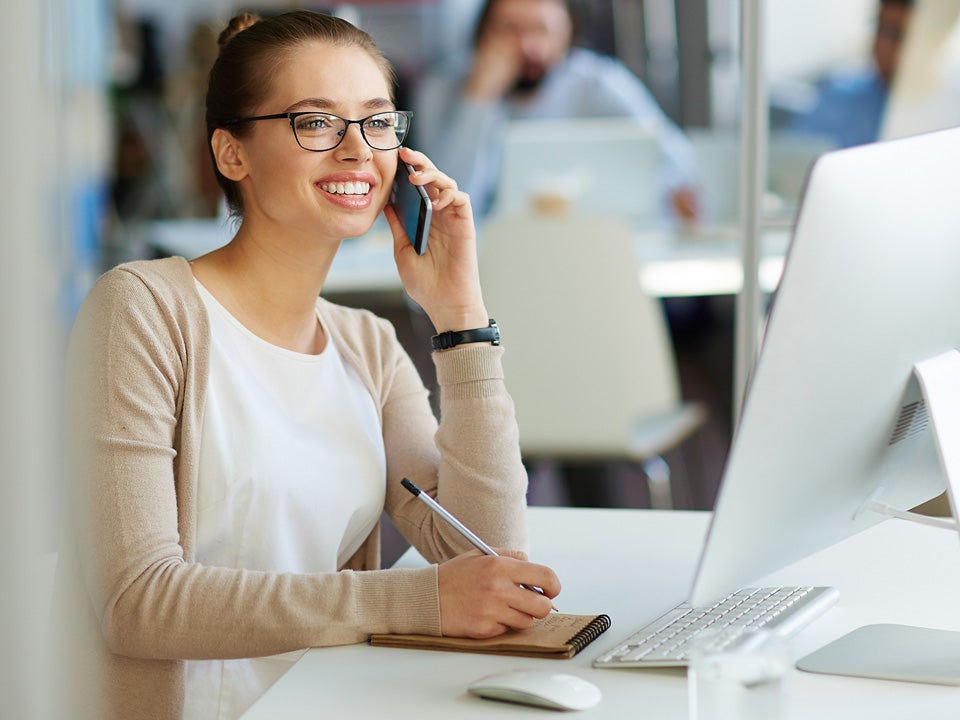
pixel 413 207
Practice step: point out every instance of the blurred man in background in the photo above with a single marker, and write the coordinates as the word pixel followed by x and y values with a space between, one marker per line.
pixel 523 67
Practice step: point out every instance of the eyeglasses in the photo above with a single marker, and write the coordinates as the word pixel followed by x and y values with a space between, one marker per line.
pixel 319 132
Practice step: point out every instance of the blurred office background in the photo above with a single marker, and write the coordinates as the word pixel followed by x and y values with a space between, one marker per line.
pixel 102 138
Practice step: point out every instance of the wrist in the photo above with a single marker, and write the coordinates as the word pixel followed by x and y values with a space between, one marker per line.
pixel 463 319
pixel 483 334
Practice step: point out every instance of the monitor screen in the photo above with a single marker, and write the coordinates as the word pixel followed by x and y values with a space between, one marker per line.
pixel 871 287
pixel 595 166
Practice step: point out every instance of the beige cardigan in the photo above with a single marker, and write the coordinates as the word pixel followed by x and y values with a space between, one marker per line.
pixel 137 375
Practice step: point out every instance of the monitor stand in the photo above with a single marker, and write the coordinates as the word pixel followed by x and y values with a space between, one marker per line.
pixel 938 379
pixel 902 652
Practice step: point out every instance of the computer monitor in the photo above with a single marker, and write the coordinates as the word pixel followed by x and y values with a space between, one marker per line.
pixel 593 166
pixel 836 420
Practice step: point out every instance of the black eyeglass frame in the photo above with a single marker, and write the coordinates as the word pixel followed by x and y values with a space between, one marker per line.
pixel 292 117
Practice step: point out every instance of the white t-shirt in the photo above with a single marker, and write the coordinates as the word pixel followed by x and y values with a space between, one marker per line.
pixel 292 479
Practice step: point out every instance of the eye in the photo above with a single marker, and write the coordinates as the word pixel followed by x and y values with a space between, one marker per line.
pixel 316 122
pixel 386 121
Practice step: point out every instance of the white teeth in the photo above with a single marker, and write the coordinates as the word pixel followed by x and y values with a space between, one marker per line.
pixel 346 188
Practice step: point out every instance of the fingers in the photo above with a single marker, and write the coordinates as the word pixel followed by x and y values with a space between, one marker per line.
pixel 442 189
pixel 527 573
pixel 509 619
pixel 426 173
pixel 481 596
pixel 420 162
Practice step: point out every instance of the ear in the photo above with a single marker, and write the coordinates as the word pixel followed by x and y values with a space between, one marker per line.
pixel 228 152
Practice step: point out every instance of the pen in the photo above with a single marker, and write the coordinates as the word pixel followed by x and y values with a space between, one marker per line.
pixel 460 527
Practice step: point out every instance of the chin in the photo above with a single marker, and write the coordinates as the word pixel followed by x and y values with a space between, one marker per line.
pixel 347 224
pixel 355 229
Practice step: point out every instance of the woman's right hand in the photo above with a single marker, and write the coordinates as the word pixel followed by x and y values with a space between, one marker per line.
pixel 481 595
pixel 444 281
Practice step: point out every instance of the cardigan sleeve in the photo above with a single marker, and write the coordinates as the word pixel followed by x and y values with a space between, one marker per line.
pixel 471 463
pixel 132 360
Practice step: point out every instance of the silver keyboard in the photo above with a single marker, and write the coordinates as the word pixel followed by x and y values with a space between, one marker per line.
pixel 666 641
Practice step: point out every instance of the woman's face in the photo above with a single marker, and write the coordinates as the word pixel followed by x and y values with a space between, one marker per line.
pixel 298 189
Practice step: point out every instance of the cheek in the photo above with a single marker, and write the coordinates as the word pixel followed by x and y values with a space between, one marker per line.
pixel 387 169
pixel 279 183
pixel 263 165
pixel 281 172
pixel 389 163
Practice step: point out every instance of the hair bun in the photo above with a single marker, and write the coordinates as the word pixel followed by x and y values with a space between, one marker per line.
pixel 237 24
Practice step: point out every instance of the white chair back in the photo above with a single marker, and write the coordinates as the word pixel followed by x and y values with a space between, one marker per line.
pixel 587 353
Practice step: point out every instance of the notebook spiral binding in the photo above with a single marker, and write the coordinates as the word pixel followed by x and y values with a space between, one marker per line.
pixel 597 626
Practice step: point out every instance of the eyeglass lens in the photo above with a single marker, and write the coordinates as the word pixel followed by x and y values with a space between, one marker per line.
pixel 320 131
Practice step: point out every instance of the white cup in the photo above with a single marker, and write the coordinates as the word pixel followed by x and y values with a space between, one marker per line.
pixel 737 675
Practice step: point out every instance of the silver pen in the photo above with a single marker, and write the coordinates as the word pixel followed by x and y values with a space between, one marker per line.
pixel 460 527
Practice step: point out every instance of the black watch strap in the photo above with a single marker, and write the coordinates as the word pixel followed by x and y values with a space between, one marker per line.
pixel 452 338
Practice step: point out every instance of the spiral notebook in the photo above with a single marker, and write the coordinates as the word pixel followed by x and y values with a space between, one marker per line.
pixel 559 635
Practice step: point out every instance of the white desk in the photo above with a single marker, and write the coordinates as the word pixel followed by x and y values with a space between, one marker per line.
pixel 673 263
pixel 633 564
pixel 705 261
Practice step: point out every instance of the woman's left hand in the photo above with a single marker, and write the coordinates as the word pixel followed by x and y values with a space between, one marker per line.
pixel 444 281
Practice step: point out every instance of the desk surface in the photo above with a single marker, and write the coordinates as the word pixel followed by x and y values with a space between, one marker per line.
pixel 633 564
pixel 672 263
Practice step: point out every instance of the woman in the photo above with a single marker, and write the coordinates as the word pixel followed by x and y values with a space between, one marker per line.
pixel 239 437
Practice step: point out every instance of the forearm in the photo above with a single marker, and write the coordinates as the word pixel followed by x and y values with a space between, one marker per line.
pixel 478 438
pixel 471 464
pixel 152 602
pixel 176 610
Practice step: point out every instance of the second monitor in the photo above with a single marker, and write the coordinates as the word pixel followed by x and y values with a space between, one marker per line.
pixel 599 166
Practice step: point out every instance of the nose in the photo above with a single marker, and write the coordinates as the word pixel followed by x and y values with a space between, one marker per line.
pixel 353 146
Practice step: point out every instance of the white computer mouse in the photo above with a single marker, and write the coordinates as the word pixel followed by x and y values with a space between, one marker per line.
pixel 542 688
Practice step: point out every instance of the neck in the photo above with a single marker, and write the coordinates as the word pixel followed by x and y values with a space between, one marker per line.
pixel 270 283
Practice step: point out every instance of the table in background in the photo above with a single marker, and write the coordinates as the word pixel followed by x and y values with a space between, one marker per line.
pixel 673 262
pixel 632 565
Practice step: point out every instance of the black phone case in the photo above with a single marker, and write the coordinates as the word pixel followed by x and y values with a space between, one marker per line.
pixel 413 207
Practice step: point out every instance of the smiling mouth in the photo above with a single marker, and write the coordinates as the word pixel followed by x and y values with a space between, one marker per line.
pixel 346 188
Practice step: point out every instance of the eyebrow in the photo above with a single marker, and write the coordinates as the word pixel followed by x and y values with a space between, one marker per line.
pixel 327 104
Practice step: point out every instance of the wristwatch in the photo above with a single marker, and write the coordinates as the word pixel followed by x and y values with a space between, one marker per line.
pixel 452 338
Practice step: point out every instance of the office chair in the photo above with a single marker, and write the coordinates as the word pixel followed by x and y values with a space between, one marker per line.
pixel 588 359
